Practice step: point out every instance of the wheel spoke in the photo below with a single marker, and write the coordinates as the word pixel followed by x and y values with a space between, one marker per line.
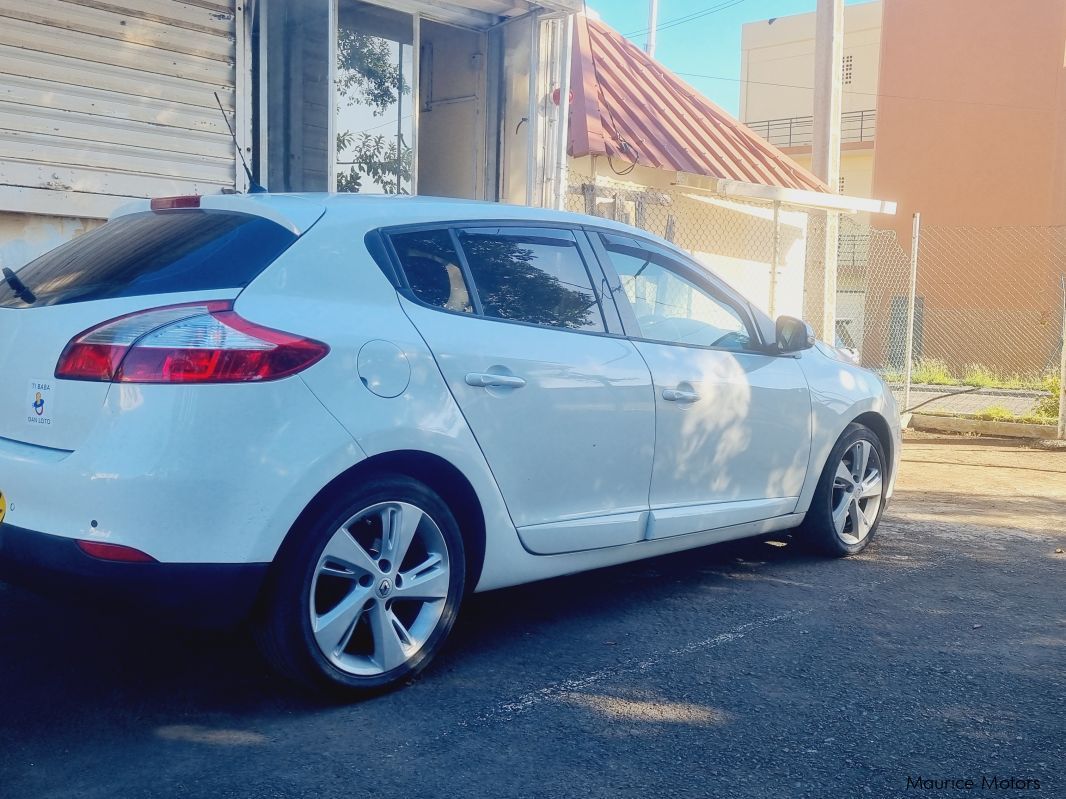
pixel 844 474
pixel 389 637
pixel 871 486
pixel 860 523
pixel 840 515
pixel 342 548
pixel 399 523
pixel 860 459
pixel 428 581
pixel 334 629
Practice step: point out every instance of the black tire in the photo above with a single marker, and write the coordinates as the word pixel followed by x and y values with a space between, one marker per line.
pixel 283 627
pixel 818 531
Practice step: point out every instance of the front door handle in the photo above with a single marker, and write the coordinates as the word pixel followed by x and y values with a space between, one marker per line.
pixel 677 395
pixel 488 380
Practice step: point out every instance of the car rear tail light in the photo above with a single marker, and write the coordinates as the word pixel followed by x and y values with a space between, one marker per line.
pixel 192 343
pixel 170 203
pixel 114 552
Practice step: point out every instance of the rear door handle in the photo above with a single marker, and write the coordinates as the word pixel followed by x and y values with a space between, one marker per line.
pixel 677 395
pixel 487 380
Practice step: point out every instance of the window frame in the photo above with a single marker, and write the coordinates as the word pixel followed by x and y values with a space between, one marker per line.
pixel 688 269
pixel 381 248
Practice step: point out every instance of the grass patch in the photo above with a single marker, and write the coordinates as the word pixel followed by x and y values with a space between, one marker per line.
pixel 997 413
pixel 1048 407
pixel 935 372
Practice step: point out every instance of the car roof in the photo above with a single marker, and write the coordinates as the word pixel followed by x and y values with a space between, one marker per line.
pixel 405 209
pixel 298 211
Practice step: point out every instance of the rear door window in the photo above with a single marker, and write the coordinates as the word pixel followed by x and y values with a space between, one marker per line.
pixel 532 275
pixel 151 253
pixel 433 270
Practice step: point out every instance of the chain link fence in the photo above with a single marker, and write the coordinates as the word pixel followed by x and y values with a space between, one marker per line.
pixel 988 320
pixel 988 305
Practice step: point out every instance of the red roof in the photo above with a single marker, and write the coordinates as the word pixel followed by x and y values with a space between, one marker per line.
pixel 629 107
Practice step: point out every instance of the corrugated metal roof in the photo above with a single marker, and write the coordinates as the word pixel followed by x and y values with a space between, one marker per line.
pixel 629 107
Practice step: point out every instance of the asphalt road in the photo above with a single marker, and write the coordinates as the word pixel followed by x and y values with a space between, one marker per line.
pixel 734 671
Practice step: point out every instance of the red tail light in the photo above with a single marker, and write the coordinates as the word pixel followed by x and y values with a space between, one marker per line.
pixel 192 343
pixel 115 552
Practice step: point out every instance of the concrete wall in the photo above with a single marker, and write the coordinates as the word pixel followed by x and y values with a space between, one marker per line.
pixel 972 132
pixel 777 64
pixel 856 167
pixel 25 236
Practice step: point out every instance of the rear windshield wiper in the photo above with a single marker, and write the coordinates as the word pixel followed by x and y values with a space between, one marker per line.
pixel 18 286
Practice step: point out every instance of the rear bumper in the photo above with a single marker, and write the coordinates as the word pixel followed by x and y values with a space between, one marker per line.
pixel 211 595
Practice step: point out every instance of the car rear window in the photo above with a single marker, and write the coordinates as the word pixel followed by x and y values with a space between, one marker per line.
pixel 151 253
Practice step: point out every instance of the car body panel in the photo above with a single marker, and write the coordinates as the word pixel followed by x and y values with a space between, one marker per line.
pixel 216 475
pixel 745 439
pixel 31 341
pixel 576 440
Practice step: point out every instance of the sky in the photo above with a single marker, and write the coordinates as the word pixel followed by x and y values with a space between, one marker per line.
pixel 707 45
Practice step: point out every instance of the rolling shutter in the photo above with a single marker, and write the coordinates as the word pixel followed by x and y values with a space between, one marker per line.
pixel 103 100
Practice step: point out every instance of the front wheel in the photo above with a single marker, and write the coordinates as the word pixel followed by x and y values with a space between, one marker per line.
pixel 847 504
pixel 368 594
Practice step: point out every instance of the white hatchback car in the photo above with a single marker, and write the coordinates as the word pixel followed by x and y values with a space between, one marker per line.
pixel 336 415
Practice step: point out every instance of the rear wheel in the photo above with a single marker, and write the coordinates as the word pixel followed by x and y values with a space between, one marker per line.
pixel 367 596
pixel 847 504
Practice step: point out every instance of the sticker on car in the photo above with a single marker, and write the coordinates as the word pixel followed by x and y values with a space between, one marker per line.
pixel 40 402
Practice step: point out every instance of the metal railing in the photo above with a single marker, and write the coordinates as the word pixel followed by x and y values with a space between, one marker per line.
pixel 855 126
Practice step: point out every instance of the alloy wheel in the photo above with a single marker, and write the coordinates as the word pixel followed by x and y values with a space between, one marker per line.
pixel 380 588
pixel 857 492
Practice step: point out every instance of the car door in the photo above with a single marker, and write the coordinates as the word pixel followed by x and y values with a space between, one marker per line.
pixel 560 402
pixel 733 424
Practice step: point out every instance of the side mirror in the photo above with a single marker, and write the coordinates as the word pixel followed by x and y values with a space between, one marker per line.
pixel 793 335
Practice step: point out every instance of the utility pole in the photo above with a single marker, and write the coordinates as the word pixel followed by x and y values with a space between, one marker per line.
pixel 653 23
pixel 825 158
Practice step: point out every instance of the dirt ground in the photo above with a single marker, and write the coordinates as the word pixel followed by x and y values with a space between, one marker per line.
pixel 981 482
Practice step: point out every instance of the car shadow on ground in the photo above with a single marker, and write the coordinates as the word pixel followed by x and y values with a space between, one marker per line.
pixel 79 661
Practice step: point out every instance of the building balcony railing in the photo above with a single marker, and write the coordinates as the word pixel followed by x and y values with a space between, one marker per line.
pixel 855 126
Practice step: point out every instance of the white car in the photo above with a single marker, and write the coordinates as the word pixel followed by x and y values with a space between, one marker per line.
pixel 336 415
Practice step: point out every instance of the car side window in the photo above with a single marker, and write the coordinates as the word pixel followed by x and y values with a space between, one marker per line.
pixel 432 268
pixel 532 275
pixel 668 306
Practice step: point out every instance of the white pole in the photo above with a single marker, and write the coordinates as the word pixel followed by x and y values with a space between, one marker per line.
pixel 533 112
pixel 1062 370
pixel 563 128
pixel 416 95
pixel 916 232
pixel 825 156
pixel 772 307
pixel 653 24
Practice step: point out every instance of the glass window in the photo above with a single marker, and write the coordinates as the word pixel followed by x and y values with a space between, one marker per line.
pixel 670 308
pixel 151 253
pixel 374 118
pixel 533 276
pixel 432 268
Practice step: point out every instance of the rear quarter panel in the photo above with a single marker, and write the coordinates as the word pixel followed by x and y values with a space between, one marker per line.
pixel 328 287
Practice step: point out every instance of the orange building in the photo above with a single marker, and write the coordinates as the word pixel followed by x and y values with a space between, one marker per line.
pixel 970 130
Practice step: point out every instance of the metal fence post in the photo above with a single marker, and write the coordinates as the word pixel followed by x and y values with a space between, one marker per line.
pixel 1062 367
pixel 916 230
pixel 775 255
